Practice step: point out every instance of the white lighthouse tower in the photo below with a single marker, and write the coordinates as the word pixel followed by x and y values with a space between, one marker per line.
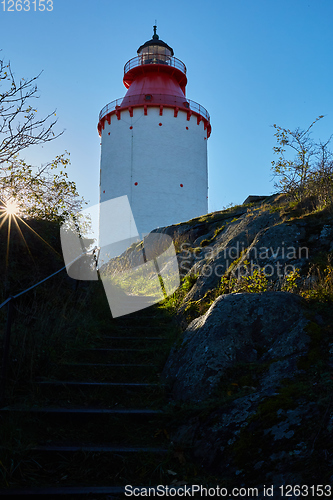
pixel 154 142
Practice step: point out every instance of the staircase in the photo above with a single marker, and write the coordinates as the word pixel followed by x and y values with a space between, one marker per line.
pixel 96 422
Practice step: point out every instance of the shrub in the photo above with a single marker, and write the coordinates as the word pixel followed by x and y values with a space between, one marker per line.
pixel 319 283
pixel 189 281
pixel 310 172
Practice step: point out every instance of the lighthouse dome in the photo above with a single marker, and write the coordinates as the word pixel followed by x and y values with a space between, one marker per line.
pixel 155 50
pixel 154 72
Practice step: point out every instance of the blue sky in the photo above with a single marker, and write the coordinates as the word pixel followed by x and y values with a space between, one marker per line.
pixel 250 63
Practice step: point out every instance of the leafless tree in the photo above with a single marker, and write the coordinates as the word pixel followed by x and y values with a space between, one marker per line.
pixel 42 192
pixel 19 125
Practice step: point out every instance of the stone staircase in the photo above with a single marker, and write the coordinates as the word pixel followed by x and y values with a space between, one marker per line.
pixel 96 422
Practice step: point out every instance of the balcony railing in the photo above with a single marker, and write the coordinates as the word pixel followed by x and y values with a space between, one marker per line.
pixel 154 59
pixel 155 99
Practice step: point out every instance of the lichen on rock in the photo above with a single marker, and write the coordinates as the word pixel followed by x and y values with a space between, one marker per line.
pixel 238 328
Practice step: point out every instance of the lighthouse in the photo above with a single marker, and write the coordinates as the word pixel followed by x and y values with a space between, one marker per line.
pixel 154 142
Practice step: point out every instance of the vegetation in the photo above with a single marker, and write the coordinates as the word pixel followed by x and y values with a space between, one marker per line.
pixel 309 174
pixel 39 192
pixel 42 192
pixel 315 283
pixel 252 283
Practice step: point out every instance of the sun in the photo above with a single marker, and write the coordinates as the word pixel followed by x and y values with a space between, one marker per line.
pixel 10 212
pixel 11 207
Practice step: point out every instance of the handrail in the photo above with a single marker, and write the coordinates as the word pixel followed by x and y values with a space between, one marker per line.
pixel 33 286
pixel 6 301
pixel 144 59
pixel 156 99
pixel 6 340
pixel 48 277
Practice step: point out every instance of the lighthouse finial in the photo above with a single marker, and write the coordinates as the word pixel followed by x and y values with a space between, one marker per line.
pixel 155 36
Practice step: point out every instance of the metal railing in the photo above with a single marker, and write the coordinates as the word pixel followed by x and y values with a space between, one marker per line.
pixel 155 99
pixel 6 341
pixel 154 59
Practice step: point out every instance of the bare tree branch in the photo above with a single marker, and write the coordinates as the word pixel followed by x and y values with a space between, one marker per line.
pixel 42 192
pixel 19 125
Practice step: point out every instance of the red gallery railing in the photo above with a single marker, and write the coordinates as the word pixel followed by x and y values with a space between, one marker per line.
pixel 154 99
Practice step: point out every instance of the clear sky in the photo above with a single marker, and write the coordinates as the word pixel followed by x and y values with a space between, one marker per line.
pixel 250 63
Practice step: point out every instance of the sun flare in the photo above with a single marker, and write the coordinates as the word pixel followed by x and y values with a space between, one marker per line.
pixel 11 207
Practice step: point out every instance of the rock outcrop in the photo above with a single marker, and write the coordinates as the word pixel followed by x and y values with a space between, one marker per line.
pixel 238 328
pixel 253 371
pixel 255 417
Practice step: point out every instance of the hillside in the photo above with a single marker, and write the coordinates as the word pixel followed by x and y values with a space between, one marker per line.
pixel 249 375
pixel 252 370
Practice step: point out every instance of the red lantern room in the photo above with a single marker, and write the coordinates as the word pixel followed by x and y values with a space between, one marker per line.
pixel 155 78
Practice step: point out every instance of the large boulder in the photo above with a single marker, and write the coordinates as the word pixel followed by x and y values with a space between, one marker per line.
pixel 237 236
pixel 238 328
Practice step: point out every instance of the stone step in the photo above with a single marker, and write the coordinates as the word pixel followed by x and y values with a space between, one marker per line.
pixel 131 341
pixel 94 393
pixel 108 365
pixel 112 349
pixel 84 411
pixel 105 372
pixel 97 421
pixel 67 465
pixel 138 327
pixel 125 429
pixel 118 356
pixel 139 385
pixel 69 491
pixel 99 449
pixel 113 492
pixel 108 337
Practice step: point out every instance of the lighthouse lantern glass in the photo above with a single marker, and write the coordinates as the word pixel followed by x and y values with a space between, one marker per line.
pixel 155 54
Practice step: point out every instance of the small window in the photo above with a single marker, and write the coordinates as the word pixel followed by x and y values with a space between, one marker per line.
pixel 148 97
pixel 186 104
